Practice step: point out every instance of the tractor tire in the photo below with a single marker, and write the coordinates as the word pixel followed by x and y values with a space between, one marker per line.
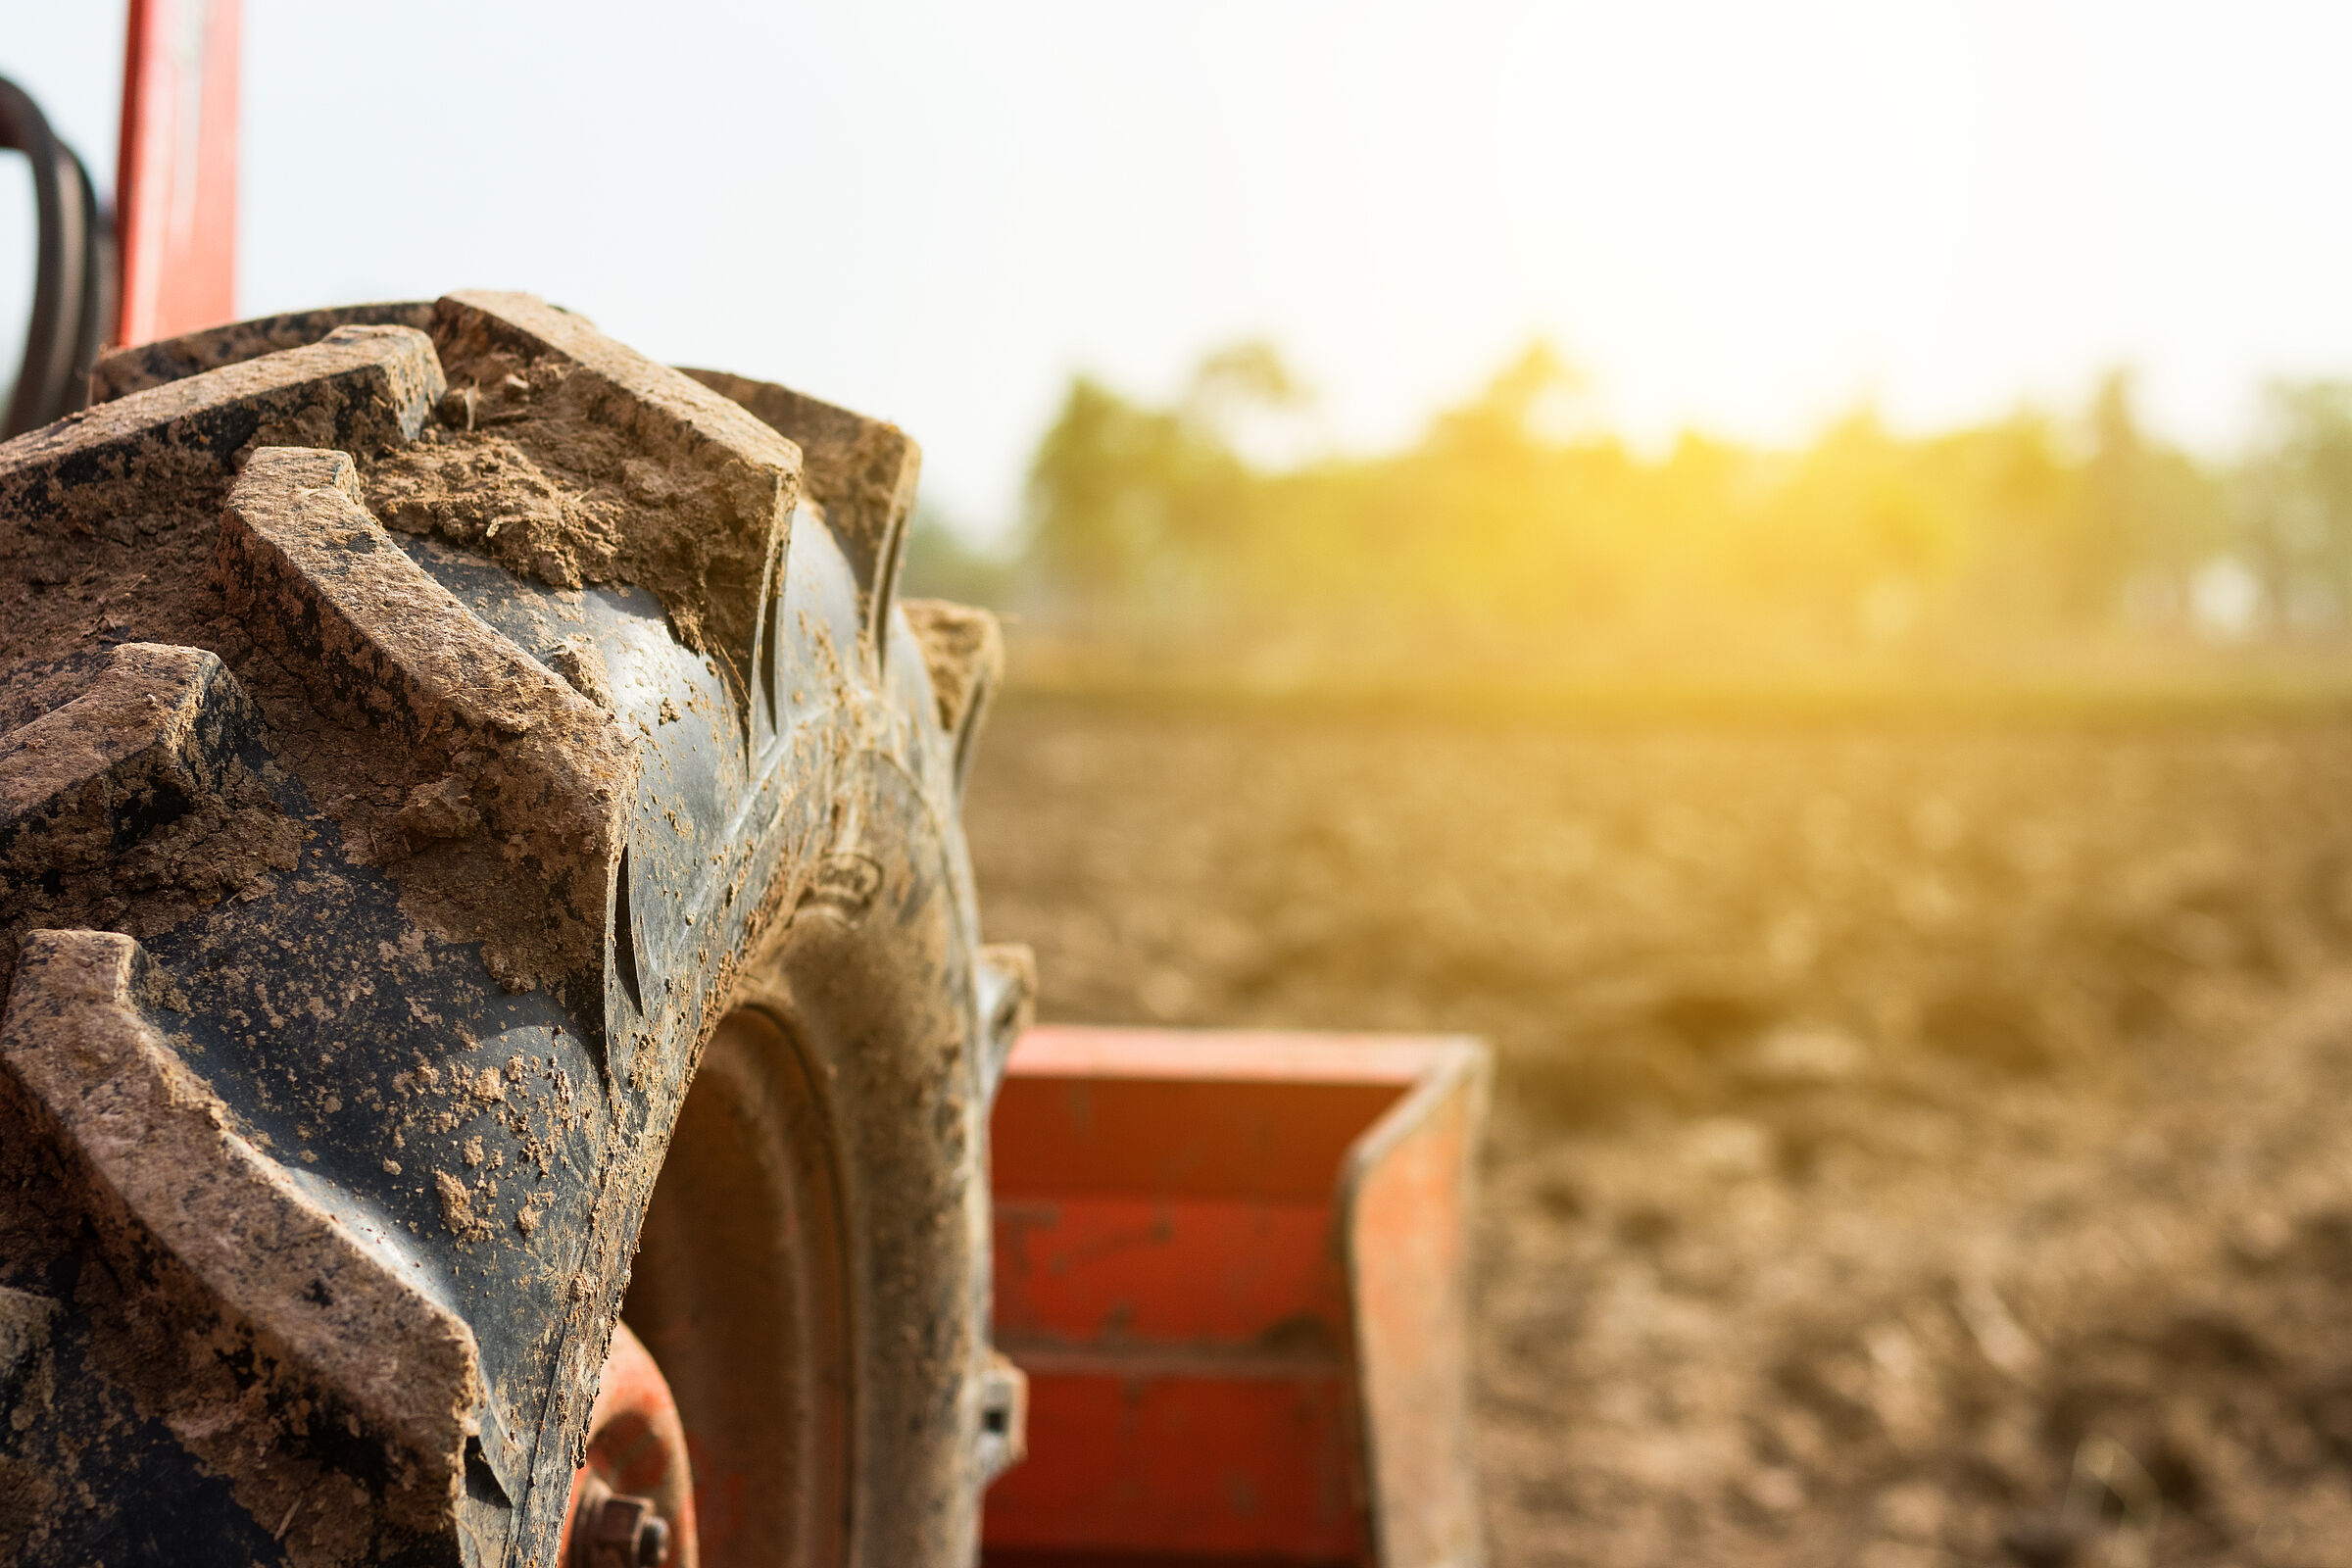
pixel 474 818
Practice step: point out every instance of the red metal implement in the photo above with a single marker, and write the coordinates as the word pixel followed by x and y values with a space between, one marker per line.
pixel 175 189
pixel 1233 1268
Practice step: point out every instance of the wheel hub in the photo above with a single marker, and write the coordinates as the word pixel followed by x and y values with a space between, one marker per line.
pixel 632 1503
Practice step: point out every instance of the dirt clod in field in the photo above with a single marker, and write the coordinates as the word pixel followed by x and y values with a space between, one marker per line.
pixel 1914 1144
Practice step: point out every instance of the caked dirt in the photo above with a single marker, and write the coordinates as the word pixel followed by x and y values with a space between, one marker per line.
pixel 1914 1143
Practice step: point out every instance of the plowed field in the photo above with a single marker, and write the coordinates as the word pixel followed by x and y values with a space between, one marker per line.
pixel 1914 1143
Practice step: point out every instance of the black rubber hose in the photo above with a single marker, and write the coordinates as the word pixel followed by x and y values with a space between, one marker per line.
pixel 72 283
pixel 101 289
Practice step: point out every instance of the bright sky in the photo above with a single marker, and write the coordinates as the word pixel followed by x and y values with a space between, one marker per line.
pixel 1745 217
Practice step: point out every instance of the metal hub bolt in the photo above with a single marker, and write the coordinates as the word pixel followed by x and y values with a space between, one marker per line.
pixel 612 1531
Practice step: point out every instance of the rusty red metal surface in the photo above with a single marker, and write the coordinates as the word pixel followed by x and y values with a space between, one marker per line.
pixel 1407 1280
pixel 175 188
pixel 1231 1265
pixel 637 1449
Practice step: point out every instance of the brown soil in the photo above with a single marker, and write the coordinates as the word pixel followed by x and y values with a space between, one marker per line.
pixel 1914 1144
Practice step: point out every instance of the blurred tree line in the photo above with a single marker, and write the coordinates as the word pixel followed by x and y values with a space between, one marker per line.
pixel 1513 536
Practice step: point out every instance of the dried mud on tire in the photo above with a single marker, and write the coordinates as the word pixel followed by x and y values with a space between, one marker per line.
pixel 419 724
pixel 1893 1120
